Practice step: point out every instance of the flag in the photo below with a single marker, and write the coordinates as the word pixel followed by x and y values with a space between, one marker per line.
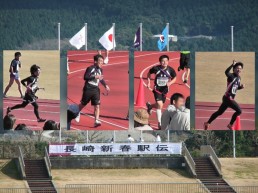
pixel 137 38
pixel 163 39
pixel 78 40
pixel 107 39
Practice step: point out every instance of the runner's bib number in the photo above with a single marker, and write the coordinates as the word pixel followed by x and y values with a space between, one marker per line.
pixel 234 89
pixel 162 81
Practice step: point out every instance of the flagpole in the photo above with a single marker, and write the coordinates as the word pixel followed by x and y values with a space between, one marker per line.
pixel 140 36
pixel 114 136
pixel 234 132
pixel 168 37
pixel 59 48
pixel 59 43
pixel 114 36
pixel 86 34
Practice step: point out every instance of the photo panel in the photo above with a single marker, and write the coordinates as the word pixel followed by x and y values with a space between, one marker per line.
pixel 225 91
pixel 158 78
pixel 31 90
pixel 98 90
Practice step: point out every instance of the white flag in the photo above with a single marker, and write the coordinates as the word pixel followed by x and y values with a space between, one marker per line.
pixel 107 39
pixel 78 40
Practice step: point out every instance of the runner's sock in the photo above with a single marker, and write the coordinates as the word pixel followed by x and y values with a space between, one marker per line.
pixel 159 115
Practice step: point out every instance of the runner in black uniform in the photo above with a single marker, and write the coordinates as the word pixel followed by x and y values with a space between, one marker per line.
pixel 14 74
pixel 164 77
pixel 32 88
pixel 233 84
pixel 185 64
pixel 91 92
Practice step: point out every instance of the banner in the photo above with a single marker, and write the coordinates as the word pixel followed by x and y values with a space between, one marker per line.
pixel 78 40
pixel 163 39
pixel 114 148
pixel 107 39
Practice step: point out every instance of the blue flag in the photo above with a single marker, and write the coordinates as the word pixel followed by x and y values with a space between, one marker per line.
pixel 163 39
pixel 137 38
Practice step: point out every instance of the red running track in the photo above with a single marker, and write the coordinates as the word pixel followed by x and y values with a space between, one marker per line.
pixel 203 111
pixel 142 63
pixel 48 109
pixel 114 107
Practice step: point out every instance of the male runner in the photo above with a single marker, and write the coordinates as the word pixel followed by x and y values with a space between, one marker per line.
pixel 185 64
pixel 91 92
pixel 233 84
pixel 14 74
pixel 31 89
pixel 165 76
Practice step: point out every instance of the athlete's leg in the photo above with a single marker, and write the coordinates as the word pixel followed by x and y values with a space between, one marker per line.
pixel 9 85
pixel 22 105
pixel 36 109
pixel 18 81
pixel 36 112
pixel 96 112
pixel 219 112
pixel 238 110
pixel 81 106
pixel 159 108
pixel 187 73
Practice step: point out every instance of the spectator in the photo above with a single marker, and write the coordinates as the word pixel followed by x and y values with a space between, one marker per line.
pixel 50 125
pixel 9 121
pixel 72 112
pixel 21 127
pixel 141 120
pixel 158 139
pixel 130 139
pixel 177 116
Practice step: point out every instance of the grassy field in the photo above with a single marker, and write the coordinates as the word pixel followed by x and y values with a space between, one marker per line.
pixel 237 172
pixel 240 171
pixel 210 79
pixel 104 176
pixel 9 176
pixel 49 61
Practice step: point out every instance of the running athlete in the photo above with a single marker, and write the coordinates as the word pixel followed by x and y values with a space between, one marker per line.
pixel 14 74
pixel 31 84
pixel 233 84
pixel 185 64
pixel 91 92
pixel 165 76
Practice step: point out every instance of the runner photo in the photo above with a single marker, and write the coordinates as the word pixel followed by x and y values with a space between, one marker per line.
pixel 38 99
pixel 157 76
pixel 225 91
pixel 98 89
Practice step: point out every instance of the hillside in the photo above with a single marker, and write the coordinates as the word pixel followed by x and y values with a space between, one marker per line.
pixel 28 23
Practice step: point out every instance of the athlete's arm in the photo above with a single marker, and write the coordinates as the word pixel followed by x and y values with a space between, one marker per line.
pixel 148 78
pixel 11 68
pixel 173 78
pixel 241 86
pixel 171 82
pixel 88 75
pixel 25 80
pixel 227 72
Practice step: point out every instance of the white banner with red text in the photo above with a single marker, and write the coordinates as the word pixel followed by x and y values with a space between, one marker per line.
pixel 114 149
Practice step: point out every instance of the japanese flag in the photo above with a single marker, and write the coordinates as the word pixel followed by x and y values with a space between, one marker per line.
pixel 78 40
pixel 107 39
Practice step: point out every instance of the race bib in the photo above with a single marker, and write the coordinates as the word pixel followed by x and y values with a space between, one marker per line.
pixel 234 89
pixel 162 81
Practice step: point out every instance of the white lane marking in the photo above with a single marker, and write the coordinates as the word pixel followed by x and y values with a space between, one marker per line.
pixel 110 123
